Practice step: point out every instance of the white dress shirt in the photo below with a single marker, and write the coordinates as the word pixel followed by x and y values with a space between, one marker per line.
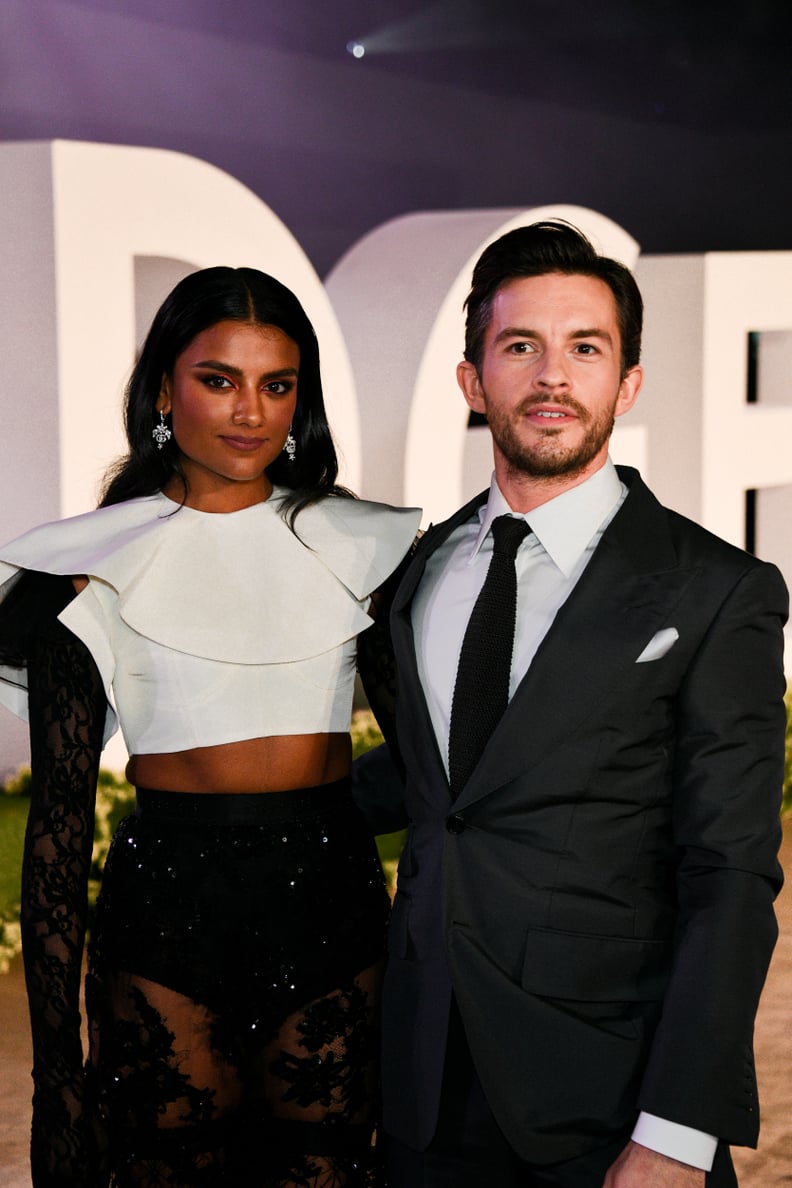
pixel 564 534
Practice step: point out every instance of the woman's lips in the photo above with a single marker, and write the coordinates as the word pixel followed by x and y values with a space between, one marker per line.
pixel 246 444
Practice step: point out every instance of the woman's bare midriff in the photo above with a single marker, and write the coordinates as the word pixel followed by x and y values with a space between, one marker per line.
pixel 275 764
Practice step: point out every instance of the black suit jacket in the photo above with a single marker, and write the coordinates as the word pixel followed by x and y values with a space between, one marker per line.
pixel 600 893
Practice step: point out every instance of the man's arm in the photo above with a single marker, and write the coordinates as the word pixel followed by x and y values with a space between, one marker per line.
pixel 378 790
pixel 727 784
pixel 682 1143
pixel 638 1167
pixel 728 775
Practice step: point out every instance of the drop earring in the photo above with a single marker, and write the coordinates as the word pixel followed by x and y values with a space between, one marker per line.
pixel 290 445
pixel 161 433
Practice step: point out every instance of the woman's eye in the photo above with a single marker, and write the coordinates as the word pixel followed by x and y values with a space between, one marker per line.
pixel 279 387
pixel 218 383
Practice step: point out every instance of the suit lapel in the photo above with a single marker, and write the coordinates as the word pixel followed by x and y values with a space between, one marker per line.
pixel 422 741
pixel 627 592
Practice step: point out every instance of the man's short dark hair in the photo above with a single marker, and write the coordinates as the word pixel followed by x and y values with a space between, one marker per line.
pixel 550 246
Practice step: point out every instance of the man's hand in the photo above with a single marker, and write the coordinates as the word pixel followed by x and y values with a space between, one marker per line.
pixel 638 1167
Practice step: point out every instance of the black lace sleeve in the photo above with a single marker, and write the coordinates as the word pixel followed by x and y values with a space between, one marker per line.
pixel 66 709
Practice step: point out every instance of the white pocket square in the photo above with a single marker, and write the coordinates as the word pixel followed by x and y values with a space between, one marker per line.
pixel 659 644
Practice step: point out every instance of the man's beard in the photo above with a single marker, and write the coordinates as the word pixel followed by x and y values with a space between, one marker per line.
pixel 542 460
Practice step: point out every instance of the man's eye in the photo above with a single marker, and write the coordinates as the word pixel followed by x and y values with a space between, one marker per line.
pixel 521 348
pixel 586 348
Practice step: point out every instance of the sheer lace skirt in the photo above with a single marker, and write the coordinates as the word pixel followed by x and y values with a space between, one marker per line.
pixel 233 991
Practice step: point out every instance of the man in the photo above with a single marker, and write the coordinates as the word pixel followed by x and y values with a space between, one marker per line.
pixel 584 911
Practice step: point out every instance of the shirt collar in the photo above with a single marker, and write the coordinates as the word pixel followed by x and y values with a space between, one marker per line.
pixel 565 525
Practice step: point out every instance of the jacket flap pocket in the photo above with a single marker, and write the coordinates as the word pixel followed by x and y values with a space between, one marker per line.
pixel 586 968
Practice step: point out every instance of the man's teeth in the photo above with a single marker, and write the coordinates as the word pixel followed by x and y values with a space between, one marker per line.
pixel 540 412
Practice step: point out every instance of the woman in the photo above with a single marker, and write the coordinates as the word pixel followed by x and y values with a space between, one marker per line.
pixel 212 602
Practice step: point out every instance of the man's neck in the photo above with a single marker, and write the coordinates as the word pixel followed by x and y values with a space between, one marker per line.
pixel 524 492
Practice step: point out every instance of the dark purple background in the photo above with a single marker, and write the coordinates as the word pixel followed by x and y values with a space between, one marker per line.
pixel 673 118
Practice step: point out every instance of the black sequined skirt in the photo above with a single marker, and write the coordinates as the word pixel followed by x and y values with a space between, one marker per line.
pixel 247 903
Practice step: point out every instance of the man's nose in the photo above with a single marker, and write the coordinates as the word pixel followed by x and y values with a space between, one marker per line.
pixel 552 371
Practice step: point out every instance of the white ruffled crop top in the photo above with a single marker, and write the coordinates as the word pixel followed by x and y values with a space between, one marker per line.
pixel 212 628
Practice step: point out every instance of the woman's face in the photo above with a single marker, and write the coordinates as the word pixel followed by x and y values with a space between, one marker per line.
pixel 232 397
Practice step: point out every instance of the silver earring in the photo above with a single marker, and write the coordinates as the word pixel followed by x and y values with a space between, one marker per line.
pixel 290 446
pixel 161 433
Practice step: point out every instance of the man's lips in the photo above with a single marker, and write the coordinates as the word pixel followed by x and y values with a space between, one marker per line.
pixel 548 415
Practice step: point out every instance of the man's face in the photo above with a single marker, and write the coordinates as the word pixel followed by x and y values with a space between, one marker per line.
pixel 550 381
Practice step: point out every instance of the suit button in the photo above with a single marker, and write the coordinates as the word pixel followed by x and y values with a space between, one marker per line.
pixel 456 824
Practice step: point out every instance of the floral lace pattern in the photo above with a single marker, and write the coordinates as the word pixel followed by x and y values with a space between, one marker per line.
pixel 298 1114
pixel 67 706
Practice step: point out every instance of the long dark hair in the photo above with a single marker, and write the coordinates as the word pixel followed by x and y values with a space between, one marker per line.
pixel 199 301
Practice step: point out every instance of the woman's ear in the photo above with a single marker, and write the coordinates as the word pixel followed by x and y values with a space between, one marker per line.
pixel 163 404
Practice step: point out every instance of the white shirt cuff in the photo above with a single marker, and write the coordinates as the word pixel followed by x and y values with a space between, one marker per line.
pixel 676 1141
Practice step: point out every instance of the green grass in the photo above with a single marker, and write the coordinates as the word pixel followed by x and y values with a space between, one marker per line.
pixel 13 816
pixel 366 734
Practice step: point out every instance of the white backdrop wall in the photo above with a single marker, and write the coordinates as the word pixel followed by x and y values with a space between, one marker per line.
pixel 94 236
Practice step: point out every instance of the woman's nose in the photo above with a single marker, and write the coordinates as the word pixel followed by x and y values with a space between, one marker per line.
pixel 248 407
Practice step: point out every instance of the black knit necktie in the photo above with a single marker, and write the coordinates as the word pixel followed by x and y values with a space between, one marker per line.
pixel 481 692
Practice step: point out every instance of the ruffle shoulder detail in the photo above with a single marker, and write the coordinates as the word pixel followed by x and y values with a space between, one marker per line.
pixel 238 587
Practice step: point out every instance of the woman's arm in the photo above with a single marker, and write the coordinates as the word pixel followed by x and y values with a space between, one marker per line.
pixel 67 708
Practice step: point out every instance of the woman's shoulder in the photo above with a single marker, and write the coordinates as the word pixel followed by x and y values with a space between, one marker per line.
pixel 349 515
pixel 70 546
pixel 361 541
